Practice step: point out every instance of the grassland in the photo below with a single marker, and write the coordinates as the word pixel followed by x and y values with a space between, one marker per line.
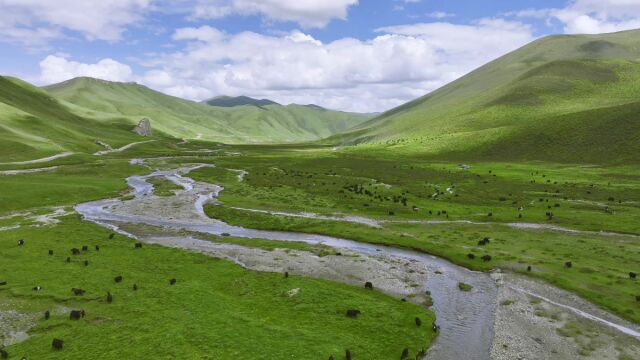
pixel 216 309
pixel 449 210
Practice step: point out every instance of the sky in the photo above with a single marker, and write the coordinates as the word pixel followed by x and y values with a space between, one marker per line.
pixel 352 55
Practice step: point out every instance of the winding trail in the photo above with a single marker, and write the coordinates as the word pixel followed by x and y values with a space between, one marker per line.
pixel 42 160
pixel 380 223
pixel 27 171
pixel 466 318
pixel 346 218
pixel 121 149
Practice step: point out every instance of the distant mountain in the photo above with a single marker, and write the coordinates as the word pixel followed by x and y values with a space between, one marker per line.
pixel 230 101
pixel 571 98
pixel 271 123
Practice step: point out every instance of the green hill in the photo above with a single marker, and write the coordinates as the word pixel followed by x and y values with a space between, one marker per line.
pixel 560 98
pixel 33 124
pixel 181 118
pixel 230 101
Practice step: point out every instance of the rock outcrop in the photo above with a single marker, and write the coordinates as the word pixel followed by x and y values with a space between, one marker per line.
pixel 143 128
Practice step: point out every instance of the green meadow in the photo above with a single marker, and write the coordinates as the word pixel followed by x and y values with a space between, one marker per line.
pixel 445 197
pixel 215 310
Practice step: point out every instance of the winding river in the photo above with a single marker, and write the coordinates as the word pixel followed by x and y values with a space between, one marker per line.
pixel 466 318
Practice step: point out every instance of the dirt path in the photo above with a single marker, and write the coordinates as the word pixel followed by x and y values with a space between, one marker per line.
pixel 121 149
pixel 28 171
pixel 38 161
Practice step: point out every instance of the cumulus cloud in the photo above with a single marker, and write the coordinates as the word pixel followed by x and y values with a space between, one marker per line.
pixel 35 22
pixel 55 69
pixel 592 16
pixel 399 64
pixel 308 13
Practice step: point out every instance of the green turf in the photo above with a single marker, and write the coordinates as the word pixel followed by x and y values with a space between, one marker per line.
pixel 215 310
pixel 67 186
pixel 163 187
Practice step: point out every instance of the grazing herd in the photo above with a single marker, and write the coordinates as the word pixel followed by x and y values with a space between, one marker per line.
pixel 58 344
pixel 484 242
pixel 354 313
pixel 75 315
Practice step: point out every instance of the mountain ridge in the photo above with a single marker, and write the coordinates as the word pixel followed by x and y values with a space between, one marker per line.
pixel 189 119
pixel 233 101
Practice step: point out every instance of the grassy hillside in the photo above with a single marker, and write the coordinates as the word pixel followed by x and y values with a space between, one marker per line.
pixel 33 124
pixel 187 119
pixel 561 98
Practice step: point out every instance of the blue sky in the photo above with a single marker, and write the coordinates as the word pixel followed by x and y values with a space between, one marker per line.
pixel 366 55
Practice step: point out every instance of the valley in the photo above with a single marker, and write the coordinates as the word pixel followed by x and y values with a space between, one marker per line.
pixel 495 218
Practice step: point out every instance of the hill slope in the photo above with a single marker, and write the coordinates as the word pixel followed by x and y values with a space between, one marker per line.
pixel 562 98
pixel 33 124
pixel 187 119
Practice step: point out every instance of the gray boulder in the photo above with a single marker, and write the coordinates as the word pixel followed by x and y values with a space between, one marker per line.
pixel 143 128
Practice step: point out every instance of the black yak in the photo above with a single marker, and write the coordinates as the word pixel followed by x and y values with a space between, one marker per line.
pixel 77 292
pixel 57 344
pixel 353 313
pixel 76 314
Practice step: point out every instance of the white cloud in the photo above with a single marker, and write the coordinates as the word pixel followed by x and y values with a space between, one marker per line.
pixel 592 16
pixel 401 63
pixel 308 13
pixel 35 22
pixel 440 15
pixel 55 69
pixel 203 33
